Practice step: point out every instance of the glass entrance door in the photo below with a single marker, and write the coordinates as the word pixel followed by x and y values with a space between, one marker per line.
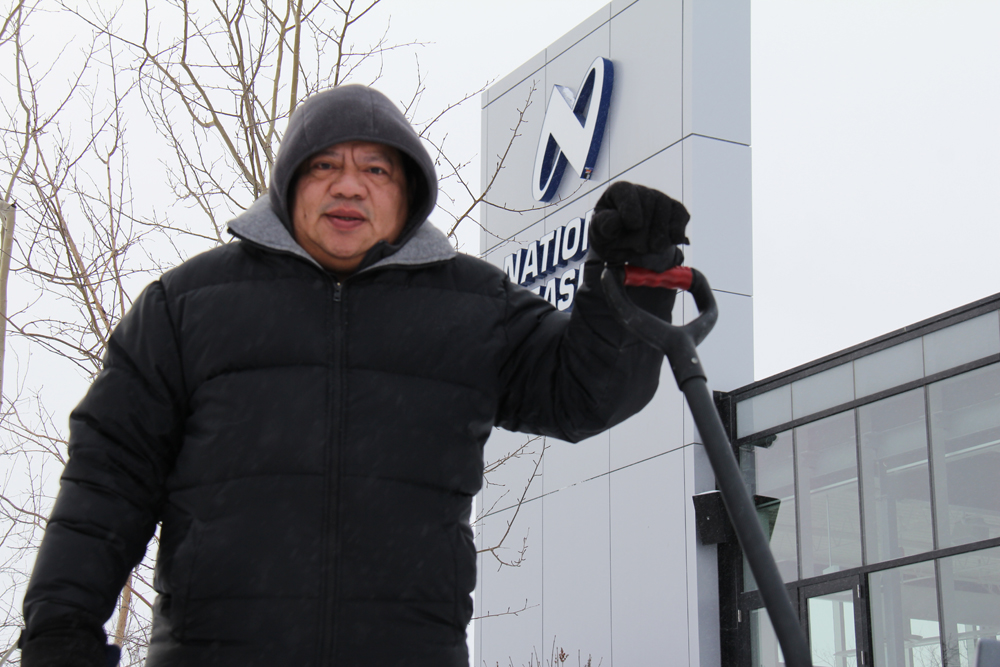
pixel 835 622
pixel 832 638
pixel 835 619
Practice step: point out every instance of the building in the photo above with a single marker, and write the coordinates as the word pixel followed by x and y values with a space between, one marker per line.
pixel 872 468
pixel 875 471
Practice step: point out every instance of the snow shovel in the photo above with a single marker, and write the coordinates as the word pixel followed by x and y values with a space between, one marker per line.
pixel 678 344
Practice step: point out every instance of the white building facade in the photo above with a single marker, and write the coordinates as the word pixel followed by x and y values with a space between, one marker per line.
pixel 610 566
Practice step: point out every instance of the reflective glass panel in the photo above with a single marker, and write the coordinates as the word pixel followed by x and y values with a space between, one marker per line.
pixel 764 411
pixel 829 507
pixel 823 390
pixel 769 470
pixel 970 588
pixel 905 628
pixel 764 648
pixel 831 630
pixel 895 477
pixel 889 368
pixel 965 450
pixel 961 343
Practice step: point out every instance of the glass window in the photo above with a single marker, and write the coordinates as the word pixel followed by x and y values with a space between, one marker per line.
pixel 965 450
pixel 961 343
pixel 889 368
pixel 829 507
pixel 895 477
pixel 764 411
pixel 764 648
pixel 769 470
pixel 970 592
pixel 905 628
pixel 832 640
pixel 823 390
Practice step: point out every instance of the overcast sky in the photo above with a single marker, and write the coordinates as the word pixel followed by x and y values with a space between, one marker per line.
pixel 876 150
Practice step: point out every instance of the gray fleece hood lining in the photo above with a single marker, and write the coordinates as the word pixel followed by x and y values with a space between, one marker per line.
pixel 260 225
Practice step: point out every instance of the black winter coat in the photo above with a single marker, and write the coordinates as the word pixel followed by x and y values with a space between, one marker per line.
pixel 312 448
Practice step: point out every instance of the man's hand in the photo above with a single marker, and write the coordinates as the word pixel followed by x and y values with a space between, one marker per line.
pixel 638 225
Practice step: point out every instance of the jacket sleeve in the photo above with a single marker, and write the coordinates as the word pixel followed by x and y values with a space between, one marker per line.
pixel 574 376
pixel 124 437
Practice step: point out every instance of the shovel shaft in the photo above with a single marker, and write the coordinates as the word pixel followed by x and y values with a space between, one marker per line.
pixel 743 515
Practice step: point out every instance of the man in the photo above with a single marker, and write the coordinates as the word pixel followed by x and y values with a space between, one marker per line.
pixel 304 412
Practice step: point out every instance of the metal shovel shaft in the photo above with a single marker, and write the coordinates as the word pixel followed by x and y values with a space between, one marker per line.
pixel 743 515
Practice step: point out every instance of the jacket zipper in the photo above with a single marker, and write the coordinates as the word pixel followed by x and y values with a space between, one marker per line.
pixel 332 501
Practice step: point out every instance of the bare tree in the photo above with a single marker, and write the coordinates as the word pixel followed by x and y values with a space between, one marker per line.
pixel 75 250
pixel 221 87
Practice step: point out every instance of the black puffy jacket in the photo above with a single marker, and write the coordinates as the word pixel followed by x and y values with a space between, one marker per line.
pixel 312 448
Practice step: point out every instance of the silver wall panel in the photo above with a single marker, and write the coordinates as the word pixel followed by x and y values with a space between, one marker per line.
pixel 505 484
pixel 655 430
pixel 717 69
pixel 649 618
pixel 500 118
pixel 717 193
pixel 618 6
pixel 646 47
pixel 727 352
pixel 515 78
pixel 664 171
pixel 577 573
pixel 484 150
pixel 578 205
pixel 506 637
pixel 508 241
pixel 572 39
pixel 568 463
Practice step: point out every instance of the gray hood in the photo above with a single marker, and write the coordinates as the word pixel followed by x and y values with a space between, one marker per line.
pixel 260 225
pixel 353 113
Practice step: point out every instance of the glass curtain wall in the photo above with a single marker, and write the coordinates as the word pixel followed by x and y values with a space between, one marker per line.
pixel 904 616
pixel 970 596
pixel 769 470
pixel 965 436
pixel 896 473
pixel 887 509
pixel 828 490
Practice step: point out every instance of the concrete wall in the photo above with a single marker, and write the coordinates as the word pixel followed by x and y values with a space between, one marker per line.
pixel 612 567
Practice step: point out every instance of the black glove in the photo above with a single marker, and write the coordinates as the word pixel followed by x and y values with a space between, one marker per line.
pixel 640 226
pixel 76 645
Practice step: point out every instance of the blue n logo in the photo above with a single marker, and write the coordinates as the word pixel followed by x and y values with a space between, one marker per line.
pixel 573 129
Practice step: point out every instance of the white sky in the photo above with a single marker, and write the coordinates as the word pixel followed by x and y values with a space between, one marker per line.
pixel 876 150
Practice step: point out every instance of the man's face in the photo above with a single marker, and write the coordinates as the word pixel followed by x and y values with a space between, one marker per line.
pixel 349 197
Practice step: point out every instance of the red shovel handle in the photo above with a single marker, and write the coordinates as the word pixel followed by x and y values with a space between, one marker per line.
pixel 679 277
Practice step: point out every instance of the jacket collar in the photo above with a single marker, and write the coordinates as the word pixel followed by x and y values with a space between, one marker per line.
pixel 259 225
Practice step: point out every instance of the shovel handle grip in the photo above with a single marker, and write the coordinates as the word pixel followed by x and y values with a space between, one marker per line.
pixel 679 277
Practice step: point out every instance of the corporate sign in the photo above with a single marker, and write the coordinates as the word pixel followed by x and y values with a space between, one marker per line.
pixel 551 252
pixel 571 134
pixel 573 129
